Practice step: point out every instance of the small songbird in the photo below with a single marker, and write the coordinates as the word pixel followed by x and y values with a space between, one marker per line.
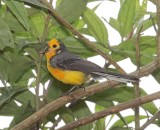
pixel 71 69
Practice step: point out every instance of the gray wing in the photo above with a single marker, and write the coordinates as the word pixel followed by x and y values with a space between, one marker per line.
pixel 69 61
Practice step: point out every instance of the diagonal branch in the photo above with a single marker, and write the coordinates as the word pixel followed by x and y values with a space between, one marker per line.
pixel 157 115
pixel 63 22
pixel 96 88
pixel 112 110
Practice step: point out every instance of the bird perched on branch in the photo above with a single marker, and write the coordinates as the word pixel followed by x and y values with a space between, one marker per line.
pixel 71 69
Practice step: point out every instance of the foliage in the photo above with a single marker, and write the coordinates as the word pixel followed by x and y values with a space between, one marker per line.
pixel 25 27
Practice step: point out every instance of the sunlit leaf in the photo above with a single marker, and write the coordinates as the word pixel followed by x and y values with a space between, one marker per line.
pixel 96 27
pixel 126 16
pixel 37 24
pixel 71 9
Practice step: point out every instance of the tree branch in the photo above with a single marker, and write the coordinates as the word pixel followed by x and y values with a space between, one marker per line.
pixel 92 89
pixel 136 86
pixel 158 33
pixel 81 37
pixel 150 121
pixel 111 110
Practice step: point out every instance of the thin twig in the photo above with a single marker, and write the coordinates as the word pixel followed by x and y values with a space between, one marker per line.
pixel 80 36
pixel 136 86
pixel 56 123
pixel 153 23
pixel 51 2
pixel 157 115
pixel 38 81
pixel 37 85
pixel 96 88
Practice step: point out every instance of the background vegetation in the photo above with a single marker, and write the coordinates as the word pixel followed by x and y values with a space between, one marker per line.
pixel 26 26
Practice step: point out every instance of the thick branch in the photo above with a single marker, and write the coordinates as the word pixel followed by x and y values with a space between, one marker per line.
pixel 133 103
pixel 96 88
pixel 80 36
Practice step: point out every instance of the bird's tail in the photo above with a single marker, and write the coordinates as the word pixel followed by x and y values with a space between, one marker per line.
pixel 117 77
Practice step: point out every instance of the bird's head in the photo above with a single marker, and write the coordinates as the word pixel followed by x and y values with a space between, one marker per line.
pixel 54 47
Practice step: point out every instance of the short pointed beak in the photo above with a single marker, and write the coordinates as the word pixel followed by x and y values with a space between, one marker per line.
pixel 45 49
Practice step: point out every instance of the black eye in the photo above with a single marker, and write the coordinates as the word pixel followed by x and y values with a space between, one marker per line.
pixel 54 46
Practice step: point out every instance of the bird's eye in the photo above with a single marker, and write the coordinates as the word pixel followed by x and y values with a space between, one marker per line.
pixel 54 46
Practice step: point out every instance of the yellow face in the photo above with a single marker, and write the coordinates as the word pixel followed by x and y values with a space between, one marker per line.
pixel 52 48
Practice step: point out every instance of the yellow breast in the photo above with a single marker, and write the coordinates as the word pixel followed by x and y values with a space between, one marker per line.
pixel 67 76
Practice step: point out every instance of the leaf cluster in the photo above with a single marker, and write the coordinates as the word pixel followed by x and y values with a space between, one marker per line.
pixel 26 26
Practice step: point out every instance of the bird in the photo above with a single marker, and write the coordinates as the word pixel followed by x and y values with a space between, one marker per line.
pixel 70 68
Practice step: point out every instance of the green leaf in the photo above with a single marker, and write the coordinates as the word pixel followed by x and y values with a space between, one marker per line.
pixel 129 119
pixel 71 9
pixel 54 90
pixel 127 49
pixel 19 10
pixel 100 101
pixel 13 65
pixel 120 128
pixel 150 106
pixel 80 109
pixel 22 113
pixel 79 24
pixel 3 10
pixel 101 0
pixel 126 16
pixel 35 2
pixel 25 98
pixel 9 109
pixel 96 27
pixel 13 23
pixel 9 94
pixel 6 39
pixel 114 23
pixel 156 75
pixel 67 115
pixel 100 124
pixel 105 103
pixel 37 23
pixel 124 94
pixel 78 47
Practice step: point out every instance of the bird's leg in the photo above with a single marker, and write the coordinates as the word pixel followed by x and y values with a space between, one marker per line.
pixel 71 90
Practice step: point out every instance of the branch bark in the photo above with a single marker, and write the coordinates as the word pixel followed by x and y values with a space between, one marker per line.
pixel 133 103
pixel 96 88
